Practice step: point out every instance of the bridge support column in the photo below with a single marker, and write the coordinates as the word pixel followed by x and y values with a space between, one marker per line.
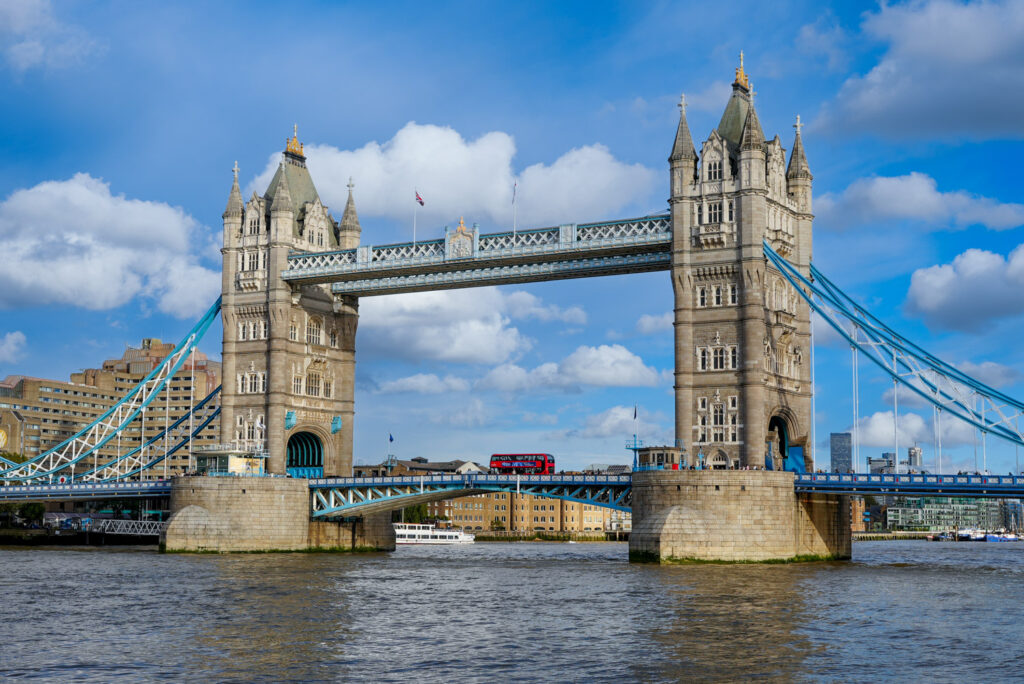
pixel 734 516
pixel 224 514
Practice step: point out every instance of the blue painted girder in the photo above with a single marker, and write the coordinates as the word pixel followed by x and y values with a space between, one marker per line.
pixel 345 496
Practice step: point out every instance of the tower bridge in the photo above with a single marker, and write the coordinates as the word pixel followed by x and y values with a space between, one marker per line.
pixel 736 240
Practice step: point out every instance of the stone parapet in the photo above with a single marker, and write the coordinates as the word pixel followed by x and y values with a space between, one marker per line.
pixel 734 516
pixel 235 514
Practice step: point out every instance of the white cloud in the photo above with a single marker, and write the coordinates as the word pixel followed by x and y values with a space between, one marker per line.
pixel 467 326
pixel 31 36
pixel 525 305
pixel 11 346
pixel 976 288
pixel 472 178
pixel 604 366
pixel 824 334
pixel 648 324
pixel 712 99
pixel 991 373
pixel 73 242
pixel 424 383
pixel 471 414
pixel 827 38
pixel 618 421
pixel 913 197
pixel 876 430
pixel 951 69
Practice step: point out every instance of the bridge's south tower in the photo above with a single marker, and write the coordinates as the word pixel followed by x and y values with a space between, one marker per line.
pixel 742 377
pixel 289 351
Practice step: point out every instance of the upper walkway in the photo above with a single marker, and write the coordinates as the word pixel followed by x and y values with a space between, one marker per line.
pixel 465 258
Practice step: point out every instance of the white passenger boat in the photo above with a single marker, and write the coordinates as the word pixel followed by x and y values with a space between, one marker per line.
pixel 408 533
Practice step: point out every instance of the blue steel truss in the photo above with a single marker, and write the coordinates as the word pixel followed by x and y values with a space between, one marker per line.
pixel 937 382
pixel 356 496
pixel 115 420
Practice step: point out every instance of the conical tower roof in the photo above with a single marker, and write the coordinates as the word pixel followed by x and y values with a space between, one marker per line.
pixel 349 218
pixel 281 197
pixel 753 136
pixel 235 204
pixel 798 167
pixel 682 148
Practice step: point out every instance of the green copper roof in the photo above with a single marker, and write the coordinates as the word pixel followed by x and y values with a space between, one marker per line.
pixel 731 125
pixel 300 185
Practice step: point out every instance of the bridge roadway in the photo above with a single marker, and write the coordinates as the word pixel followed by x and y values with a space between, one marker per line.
pixel 353 496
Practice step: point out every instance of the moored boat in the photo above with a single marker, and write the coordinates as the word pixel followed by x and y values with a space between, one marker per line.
pixel 410 533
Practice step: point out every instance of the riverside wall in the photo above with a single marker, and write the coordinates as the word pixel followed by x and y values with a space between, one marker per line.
pixel 734 516
pixel 240 514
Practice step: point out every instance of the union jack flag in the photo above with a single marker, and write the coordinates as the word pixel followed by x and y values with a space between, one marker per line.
pixel 418 198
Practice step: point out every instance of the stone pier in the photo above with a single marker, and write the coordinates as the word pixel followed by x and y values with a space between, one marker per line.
pixel 226 514
pixel 734 516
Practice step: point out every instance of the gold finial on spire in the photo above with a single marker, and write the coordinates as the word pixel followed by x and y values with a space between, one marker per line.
pixel 461 227
pixel 741 75
pixel 293 145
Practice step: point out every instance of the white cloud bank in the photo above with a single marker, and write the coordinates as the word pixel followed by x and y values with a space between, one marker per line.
pixel 471 178
pixel 976 288
pixel 424 383
pixel 913 197
pixel 11 346
pixel 463 326
pixel 31 36
pixel 649 325
pixel 604 366
pixel 74 243
pixel 952 69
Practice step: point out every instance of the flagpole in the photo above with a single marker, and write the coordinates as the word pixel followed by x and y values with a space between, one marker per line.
pixel 515 186
pixel 415 211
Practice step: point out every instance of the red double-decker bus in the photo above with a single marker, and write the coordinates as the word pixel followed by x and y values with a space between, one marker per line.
pixel 524 464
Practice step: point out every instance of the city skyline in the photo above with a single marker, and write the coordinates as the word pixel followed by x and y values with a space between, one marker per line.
pixel 121 162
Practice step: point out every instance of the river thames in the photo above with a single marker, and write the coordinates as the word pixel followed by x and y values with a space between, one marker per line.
pixel 510 612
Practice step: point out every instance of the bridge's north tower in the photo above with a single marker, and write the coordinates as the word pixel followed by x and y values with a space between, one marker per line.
pixel 742 336
pixel 289 350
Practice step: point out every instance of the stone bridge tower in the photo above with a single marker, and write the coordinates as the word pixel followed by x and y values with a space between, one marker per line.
pixel 742 336
pixel 289 351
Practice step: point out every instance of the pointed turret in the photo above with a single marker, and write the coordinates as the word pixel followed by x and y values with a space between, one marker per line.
pixel 235 205
pixel 798 167
pixel 683 147
pixel 349 230
pixel 349 218
pixel 282 195
pixel 753 136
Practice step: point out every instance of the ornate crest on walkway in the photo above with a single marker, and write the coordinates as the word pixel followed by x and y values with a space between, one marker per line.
pixel 461 244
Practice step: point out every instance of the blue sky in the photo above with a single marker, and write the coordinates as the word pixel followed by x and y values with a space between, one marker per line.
pixel 123 120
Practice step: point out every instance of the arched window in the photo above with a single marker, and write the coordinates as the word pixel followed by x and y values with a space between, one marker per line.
pixel 334 338
pixel 733 298
pixel 327 388
pixel 297 384
pixel 314 333
pixel 702 356
pixel 734 357
pixel 718 295
pixel 243 332
pixel 719 358
pixel 702 296
pixel 293 332
pixel 313 384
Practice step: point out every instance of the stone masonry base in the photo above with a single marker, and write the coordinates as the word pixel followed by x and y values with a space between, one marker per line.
pixel 224 514
pixel 734 516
